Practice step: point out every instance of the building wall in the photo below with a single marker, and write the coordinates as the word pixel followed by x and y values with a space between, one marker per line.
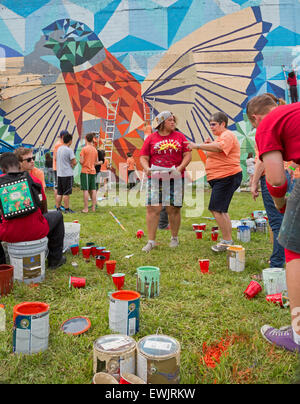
pixel 63 61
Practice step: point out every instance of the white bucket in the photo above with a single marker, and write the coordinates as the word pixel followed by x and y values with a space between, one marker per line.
pixel 28 260
pixel 114 354
pixel 244 234
pixel 72 234
pixel 261 226
pixel 274 280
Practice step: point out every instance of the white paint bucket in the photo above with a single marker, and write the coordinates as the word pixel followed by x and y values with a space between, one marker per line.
pixel 274 280
pixel 261 225
pixel 115 354
pixel 243 234
pixel 124 309
pixel 236 258
pixel 31 327
pixel 158 359
pixel 72 234
pixel 28 260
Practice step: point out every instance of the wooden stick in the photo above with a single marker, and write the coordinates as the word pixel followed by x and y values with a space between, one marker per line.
pixel 122 227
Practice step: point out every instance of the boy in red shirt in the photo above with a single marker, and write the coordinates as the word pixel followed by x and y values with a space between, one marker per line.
pixel 278 140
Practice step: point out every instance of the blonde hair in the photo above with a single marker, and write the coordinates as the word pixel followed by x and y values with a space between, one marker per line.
pixel 279 101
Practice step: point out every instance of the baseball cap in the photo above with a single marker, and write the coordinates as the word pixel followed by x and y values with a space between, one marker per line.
pixel 161 117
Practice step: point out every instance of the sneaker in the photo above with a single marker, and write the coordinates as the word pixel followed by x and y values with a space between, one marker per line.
pixel 148 247
pixel 174 243
pixel 282 338
pixel 221 247
pixel 62 261
pixel 69 211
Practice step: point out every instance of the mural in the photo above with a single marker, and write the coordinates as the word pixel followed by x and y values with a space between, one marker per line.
pixel 63 61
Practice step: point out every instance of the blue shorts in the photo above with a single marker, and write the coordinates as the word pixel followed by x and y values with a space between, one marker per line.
pixel 289 234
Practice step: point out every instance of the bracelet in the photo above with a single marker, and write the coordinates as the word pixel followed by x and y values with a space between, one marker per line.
pixel 277 192
pixel 292 168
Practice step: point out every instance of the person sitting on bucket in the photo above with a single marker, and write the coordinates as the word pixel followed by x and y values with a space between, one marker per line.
pixel 35 225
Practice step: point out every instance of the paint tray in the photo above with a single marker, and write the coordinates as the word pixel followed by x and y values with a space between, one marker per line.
pixel 76 325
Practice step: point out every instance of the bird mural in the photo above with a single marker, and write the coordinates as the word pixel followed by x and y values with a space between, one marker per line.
pixel 211 69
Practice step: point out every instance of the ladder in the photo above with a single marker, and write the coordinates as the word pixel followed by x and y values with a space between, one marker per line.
pixel 286 84
pixel 112 108
pixel 148 118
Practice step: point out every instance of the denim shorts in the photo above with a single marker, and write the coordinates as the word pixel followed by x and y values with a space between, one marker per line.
pixel 289 234
pixel 222 192
pixel 165 193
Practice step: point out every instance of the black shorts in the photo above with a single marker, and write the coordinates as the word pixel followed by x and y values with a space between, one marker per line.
pixel 64 185
pixel 222 192
pixel 55 179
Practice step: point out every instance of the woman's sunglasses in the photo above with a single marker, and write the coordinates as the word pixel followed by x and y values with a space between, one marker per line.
pixel 29 159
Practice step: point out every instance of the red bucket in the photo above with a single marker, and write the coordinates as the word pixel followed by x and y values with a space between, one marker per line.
pixel 6 279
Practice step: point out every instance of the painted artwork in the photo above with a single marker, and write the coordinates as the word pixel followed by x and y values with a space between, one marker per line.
pixel 63 62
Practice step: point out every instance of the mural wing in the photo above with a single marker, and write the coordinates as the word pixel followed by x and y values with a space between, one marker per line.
pixel 210 70
pixel 37 116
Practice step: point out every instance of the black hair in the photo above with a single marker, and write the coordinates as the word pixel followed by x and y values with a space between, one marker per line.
pixel 8 161
pixel 62 133
pixel 129 154
pixel 89 137
pixel 291 74
pixel 67 138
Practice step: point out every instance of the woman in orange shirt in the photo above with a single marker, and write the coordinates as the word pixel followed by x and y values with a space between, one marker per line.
pixel 131 170
pixel 224 174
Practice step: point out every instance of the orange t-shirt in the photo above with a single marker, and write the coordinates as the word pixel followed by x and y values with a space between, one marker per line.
pixel 39 174
pixel 56 146
pixel 225 163
pixel 90 157
pixel 131 163
pixel 104 165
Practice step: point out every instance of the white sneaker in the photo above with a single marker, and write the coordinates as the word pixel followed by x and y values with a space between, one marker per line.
pixel 174 243
pixel 148 247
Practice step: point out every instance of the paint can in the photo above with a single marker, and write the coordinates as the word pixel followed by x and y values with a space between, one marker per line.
pixel 258 214
pixel 114 354
pixel 31 327
pixel 248 222
pixel 6 279
pixel 72 234
pixel 124 309
pixel 261 225
pixel 104 378
pixel 158 359
pixel 236 258
pixel 274 280
pixel 244 234
pixel 28 260
pixel 147 283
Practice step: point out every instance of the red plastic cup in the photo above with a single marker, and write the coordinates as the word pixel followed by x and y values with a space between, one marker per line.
pixel 74 249
pixel 110 266
pixel 195 226
pixel 252 289
pixel 214 228
pixel 139 233
pixel 106 254
pixel 99 250
pixel 94 251
pixel 214 235
pixel 199 233
pixel 276 298
pixel 123 380
pixel 100 261
pixel 204 265
pixel 75 221
pixel 77 282
pixel 202 226
pixel 86 252
pixel 118 280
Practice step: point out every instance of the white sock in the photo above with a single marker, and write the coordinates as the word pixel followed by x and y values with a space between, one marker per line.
pixel 152 242
pixel 226 241
pixel 296 337
pixel 174 238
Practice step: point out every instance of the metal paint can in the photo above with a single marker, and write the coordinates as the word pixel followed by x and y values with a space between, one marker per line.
pixel 115 354
pixel 124 309
pixel 236 258
pixel 158 359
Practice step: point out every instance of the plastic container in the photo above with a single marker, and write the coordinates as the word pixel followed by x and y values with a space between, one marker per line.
pixel 274 280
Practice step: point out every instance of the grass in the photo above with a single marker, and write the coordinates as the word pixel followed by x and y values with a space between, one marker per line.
pixel 192 307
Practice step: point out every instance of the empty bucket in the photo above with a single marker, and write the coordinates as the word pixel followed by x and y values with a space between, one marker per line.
pixel 28 260
pixel 6 279
pixel 274 280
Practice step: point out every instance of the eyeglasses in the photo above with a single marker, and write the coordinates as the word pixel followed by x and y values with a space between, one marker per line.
pixel 29 159
pixel 213 123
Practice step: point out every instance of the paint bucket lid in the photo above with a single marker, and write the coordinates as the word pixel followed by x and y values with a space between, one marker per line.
pixel 148 269
pixel 76 325
pixel 126 295
pixel 159 346
pixel 243 227
pixel 114 343
pixel 235 248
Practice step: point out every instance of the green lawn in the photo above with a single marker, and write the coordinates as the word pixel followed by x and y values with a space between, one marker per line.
pixel 192 307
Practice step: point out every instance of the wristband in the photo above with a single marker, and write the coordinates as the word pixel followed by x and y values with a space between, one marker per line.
pixel 282 210
pixel 292 168
pixel 277 192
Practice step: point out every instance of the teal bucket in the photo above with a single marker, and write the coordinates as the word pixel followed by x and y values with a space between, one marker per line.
pixel 147 283
pixel 274 280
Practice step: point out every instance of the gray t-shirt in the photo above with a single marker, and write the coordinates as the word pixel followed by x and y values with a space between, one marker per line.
pixel 63 161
